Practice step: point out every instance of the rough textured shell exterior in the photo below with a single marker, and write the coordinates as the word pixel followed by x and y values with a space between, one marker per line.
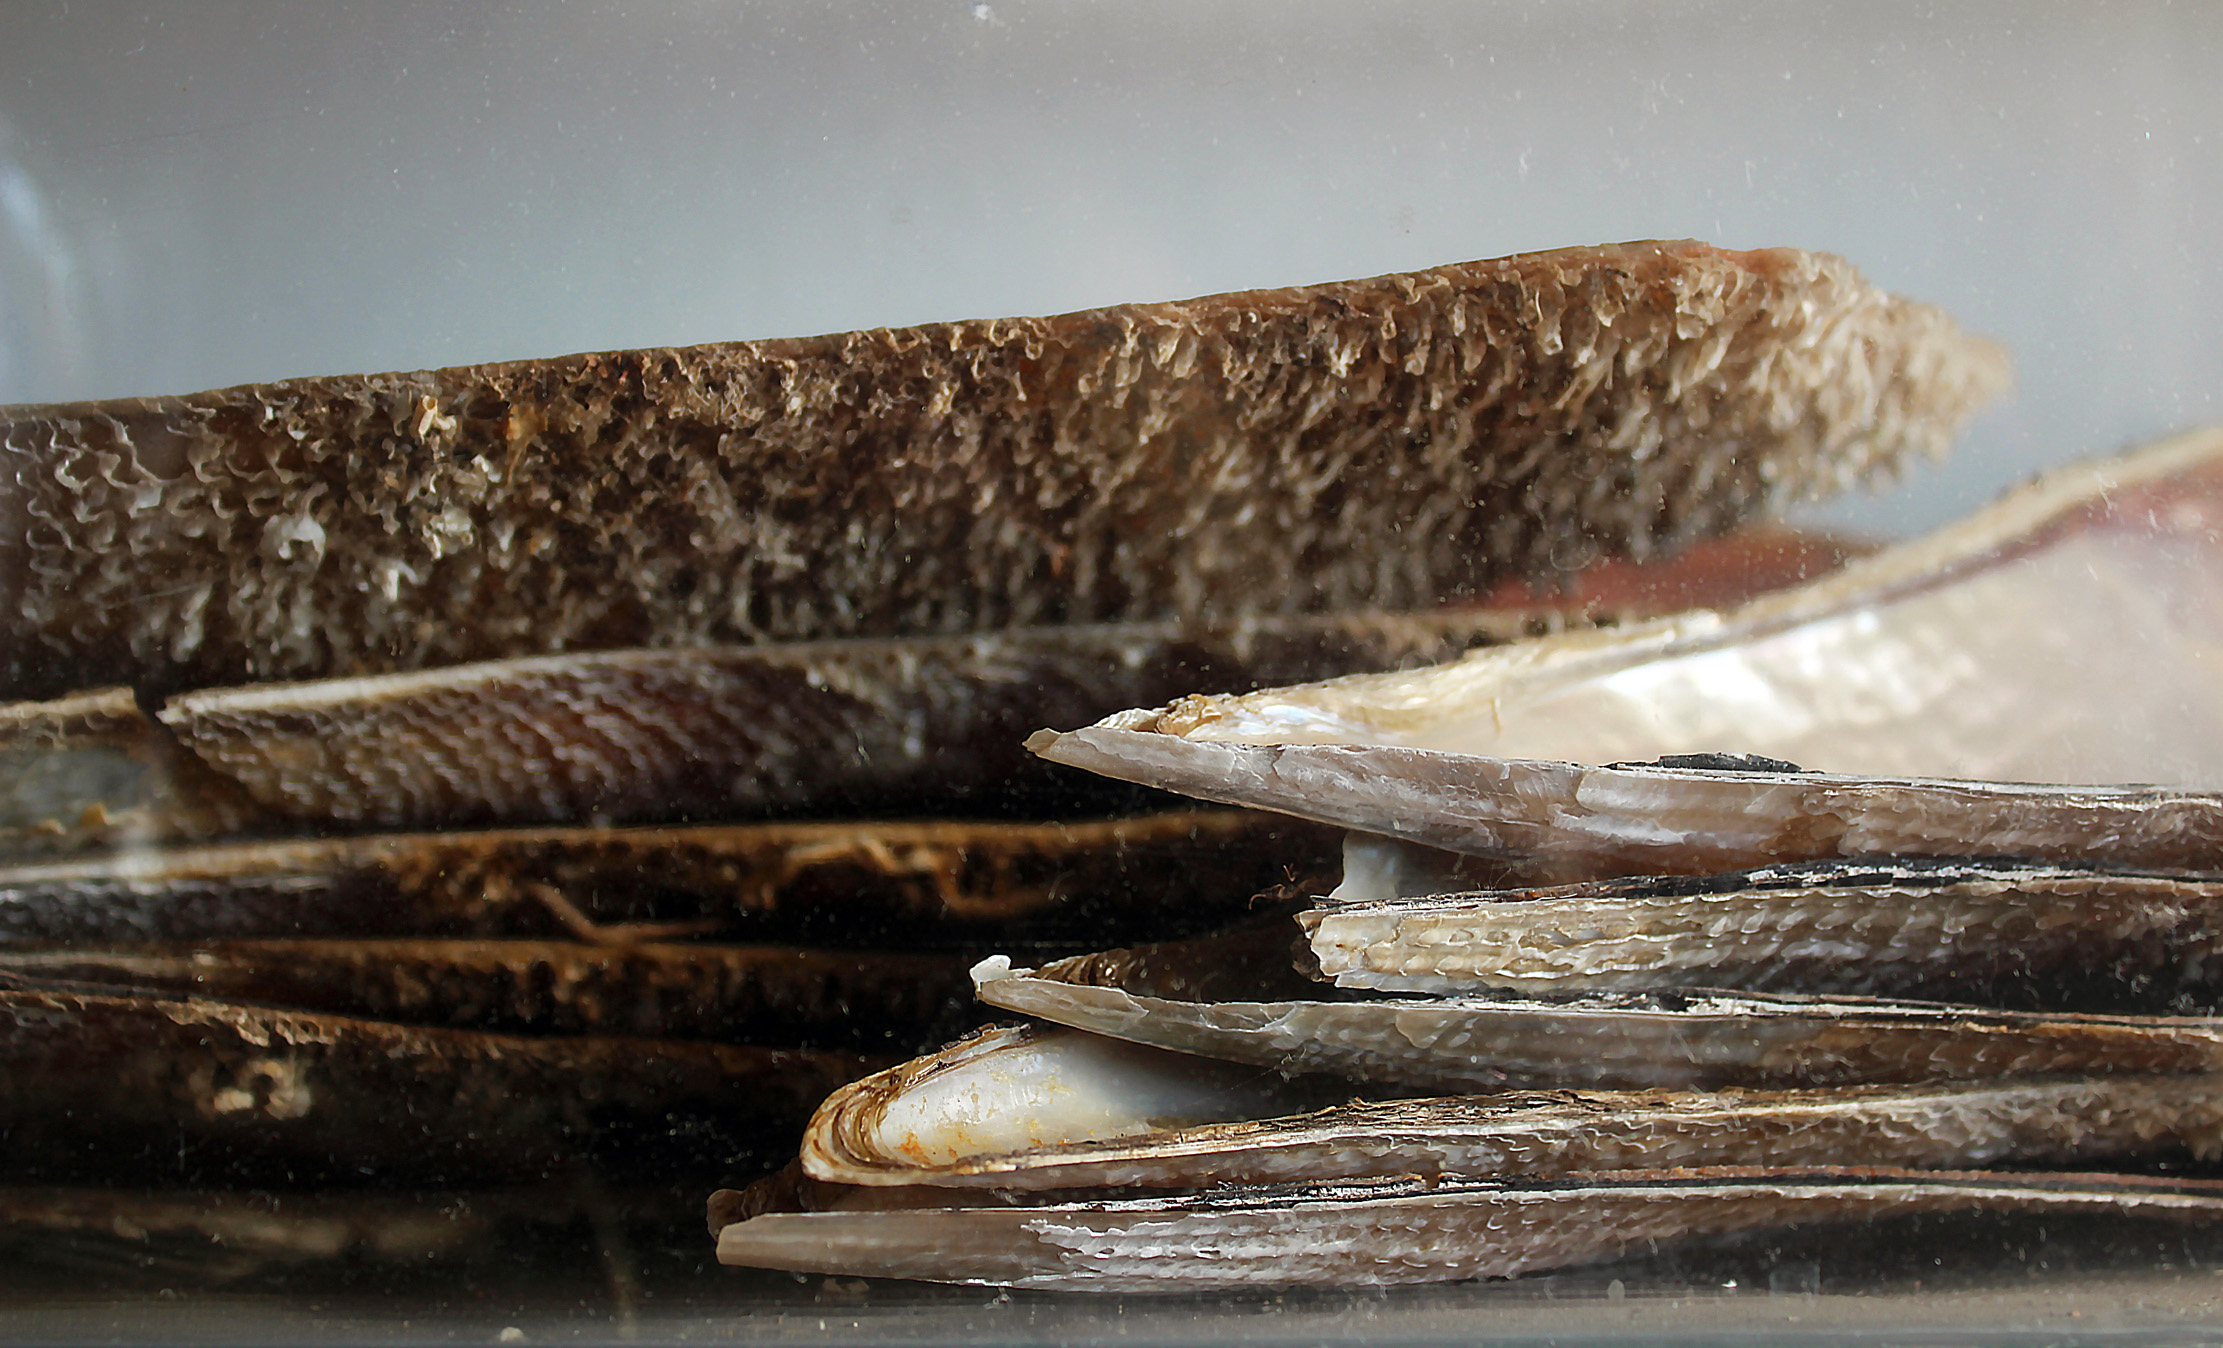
pixel 1239 453
pixel 1685 1042
pixel 1361 1234
pixel 1998 934
pixel 737 732
pixel 921 724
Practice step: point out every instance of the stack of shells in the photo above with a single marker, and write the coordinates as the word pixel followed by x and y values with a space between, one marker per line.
pixel 516 795
pixel 1554 1013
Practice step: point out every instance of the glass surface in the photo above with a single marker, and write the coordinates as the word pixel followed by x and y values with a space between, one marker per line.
pixel 192 197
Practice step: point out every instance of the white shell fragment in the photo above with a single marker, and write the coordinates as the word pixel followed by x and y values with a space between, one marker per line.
pixel 1010 1089
pixel 1999 648
pixel 1965 931
pixel 1358 1234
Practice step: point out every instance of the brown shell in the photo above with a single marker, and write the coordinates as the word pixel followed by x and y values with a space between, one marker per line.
pixel 201 1235
pixel 1240 453
pixel 919 725
pixel 154 1086
pixel 1564 822
pixel 943 885
pixel 1940 1125
pixel 767 996
pixel 1178 996
pixel 2007 935
pixel 1375 1233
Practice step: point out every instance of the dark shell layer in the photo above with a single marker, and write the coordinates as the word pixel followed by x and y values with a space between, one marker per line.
pixel 769 996
pixel 1693 1040
pixel 1427 1231
pixel 171 1088
pixel 943 885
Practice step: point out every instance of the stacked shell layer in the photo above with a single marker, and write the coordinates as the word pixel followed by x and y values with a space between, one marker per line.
pixel 739 597
pixel 1575 1010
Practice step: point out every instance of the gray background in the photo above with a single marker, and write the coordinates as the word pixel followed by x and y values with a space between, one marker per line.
pixel 201 194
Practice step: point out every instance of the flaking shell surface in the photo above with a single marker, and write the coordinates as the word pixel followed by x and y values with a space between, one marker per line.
pixel 1201 459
